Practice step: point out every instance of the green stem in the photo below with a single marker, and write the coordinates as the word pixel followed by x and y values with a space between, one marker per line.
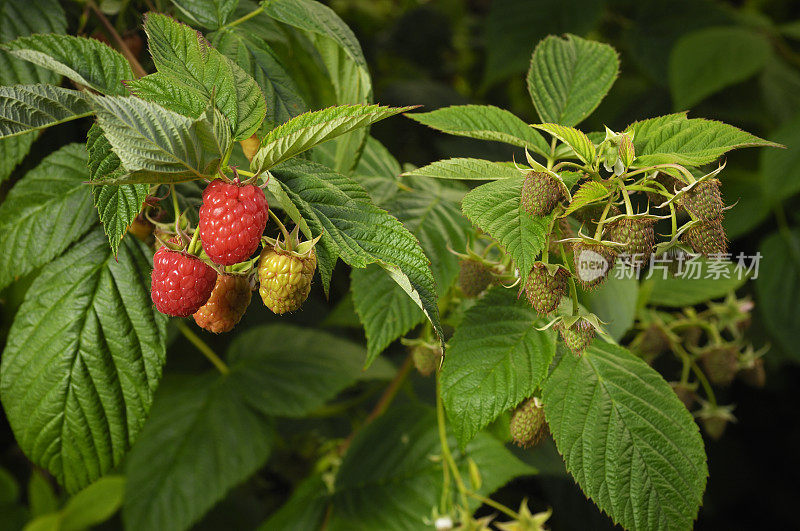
pixel 573 289
pixel 551 158
pixel 602 221
pixel 175 206
pixel 491 503
pixel 626 198
pixel 245 18
pixel 192 248
pixel 202 347
pixel 674 220
pixel 446 455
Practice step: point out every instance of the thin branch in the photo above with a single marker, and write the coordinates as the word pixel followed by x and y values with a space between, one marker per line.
pixel 138 70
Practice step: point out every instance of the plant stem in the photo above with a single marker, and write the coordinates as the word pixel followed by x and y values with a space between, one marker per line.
pixel 120 42
pixel 491 503
pixel 245 18
pixel 201 345
pixel 573 289
pixel 626 198
pixel 446 455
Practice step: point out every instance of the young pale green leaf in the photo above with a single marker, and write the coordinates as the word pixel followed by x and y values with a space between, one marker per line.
pixel 338 49
pixel 93 505
pixel 190 71
pixel 466 169
pixel 389 478
pixel 666 290
pixel 569 76
pixel 79 371
pixel 258 59
pixel 495 360
pixel 435 219
pixel 117 205
pixel 26 108
pixel 778 289
pixel 484 122
pixel 159 145
pixel 44 213
pixel 361 233
pixel 85 61
pixel 632 446
pixel 202 439
pixel 588 193
pixel 674 138
pixel 211 14
pixel 309 129
pixel 495 208
pixel 583 147
pixel 706 61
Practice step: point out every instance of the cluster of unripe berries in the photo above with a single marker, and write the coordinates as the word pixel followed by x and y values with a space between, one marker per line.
pixel 213 282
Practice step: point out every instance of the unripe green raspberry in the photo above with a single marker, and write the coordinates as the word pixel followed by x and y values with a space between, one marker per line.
pixel 473 277
pixel 426 358
pixel 528 425
pixel 707 238
pixel 285 278
pixel 541 192
pixel 578 337
pixel 721 364
pixel 544 291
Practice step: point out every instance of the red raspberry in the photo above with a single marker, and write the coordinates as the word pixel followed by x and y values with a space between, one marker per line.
pixel 232 220
pixel 181 283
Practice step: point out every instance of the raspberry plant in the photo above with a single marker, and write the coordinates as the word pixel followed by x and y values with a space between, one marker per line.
pixel 235 157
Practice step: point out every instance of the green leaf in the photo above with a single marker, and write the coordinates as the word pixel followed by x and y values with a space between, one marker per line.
pixel 211 14
pixel 484 122
pixel 614 302
pixel 780 168
pixel 117 205
pixel 309 129
pixel 780 90
pixel 191 71
pixel 41 498
pixel 495 209
pixel 19 18
pixel 466 169
pixel 44 213
pixel 382 306
pixel 159 145
pixel 305 509
pixel 203 438
pixel 667 290
pixel 79 371
pixel 569 76
pixel 495 360
pixel 26 108
pixel 588 193
pixel 632 446
pixel 391 475
pixel 778 289
pixel 277 382
pixel 338 49
pixel 706 61
pixel 744 189
pixel 513 28
pixel 674 138
pixel 258 59
pixel 352 227
pixel 85 61
pixel 93 505
pixel 577 140
pixel 377 171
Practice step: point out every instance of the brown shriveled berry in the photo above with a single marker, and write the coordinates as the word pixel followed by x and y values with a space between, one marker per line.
pixel 544 290
pixel 541 192
pixel 686 393
pixel 473 277
pixel 721 364
pixel 227 304
pixel 426 358
pixel 754 375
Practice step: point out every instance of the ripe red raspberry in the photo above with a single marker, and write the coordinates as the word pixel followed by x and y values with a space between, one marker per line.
pixel 227 304
pixel 181 283
pixel 232 220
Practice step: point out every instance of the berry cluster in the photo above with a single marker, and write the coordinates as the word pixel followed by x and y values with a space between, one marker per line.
pixel 209 273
